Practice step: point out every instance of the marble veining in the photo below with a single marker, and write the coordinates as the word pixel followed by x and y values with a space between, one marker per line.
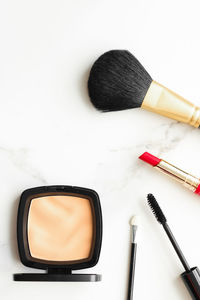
pixel 19 158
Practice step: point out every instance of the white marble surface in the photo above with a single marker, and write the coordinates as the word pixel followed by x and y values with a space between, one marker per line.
pixel 51 134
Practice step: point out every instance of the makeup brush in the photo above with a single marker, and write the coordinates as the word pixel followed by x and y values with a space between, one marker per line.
pixel 118 81
pixel 191 276
pixel 134 226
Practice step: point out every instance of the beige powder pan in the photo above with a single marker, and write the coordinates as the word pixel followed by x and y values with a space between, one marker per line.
pixel 59 229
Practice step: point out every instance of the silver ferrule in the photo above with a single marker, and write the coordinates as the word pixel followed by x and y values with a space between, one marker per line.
pixel 133 233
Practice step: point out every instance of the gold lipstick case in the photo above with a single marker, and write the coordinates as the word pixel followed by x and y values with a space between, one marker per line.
pixel 188 180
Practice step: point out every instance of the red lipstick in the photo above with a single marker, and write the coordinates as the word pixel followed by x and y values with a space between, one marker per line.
pixel 150 159
pixel 188 180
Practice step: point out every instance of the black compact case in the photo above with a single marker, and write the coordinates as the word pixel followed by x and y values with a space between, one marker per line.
pixel 58 270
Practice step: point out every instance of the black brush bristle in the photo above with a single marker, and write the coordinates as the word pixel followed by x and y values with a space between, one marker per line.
pixel 156 209
pixel 118 81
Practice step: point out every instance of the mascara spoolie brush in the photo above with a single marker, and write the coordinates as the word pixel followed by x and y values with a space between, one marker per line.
pixel 118 81
pixel 191 276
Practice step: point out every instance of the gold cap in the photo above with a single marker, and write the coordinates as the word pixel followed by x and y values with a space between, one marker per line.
pixel 165 102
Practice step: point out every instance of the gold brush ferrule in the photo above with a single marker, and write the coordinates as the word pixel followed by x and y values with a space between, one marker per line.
pixel 189 181
pixel 163 101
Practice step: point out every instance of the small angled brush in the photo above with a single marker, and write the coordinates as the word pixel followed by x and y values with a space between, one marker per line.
pixel 191 276
pixel 134 227
pixel 118 81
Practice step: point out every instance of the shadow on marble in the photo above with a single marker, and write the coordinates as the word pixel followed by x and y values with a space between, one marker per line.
pixel 83 88
pixel 13 230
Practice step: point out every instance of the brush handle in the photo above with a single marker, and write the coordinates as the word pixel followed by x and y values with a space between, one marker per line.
pixel 163 101
pixel 132 271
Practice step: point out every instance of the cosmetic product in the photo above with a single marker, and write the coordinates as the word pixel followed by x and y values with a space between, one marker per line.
pixel 134 226
pixel 191 276
pixel 59 229
pixel 118 81
pixel 188 180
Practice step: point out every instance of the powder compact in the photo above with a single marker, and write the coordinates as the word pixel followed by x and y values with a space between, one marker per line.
pixel 59 229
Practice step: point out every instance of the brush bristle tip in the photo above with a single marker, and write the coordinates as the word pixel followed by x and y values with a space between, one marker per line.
pixel 117 81
pixel 135 220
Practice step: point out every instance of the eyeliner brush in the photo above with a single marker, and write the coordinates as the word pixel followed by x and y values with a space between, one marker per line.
pixel 134 226
pixel 191 276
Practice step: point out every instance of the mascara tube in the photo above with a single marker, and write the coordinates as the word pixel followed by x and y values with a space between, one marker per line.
pixel 189 181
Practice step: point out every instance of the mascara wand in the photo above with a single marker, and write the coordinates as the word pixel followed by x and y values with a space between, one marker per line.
pixel 191 276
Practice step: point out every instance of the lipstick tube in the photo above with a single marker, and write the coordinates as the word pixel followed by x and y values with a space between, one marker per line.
pixel 188 180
